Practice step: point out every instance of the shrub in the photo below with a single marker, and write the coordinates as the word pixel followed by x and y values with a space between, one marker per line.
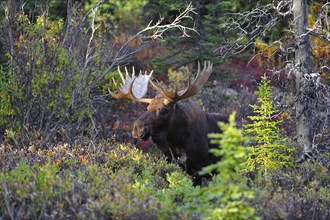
pixel 296 193
pixel 45 86
pixel 112 181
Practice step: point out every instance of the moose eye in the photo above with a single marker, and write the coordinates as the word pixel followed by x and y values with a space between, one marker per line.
pixel 163 111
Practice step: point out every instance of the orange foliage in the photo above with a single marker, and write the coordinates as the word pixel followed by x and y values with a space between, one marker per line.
pixel 266 54
pixel 81 159
pixel 320 48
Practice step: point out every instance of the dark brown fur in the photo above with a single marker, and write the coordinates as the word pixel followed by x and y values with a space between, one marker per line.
pixel 180 128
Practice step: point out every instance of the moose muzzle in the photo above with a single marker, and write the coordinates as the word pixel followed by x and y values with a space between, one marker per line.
pixel 140 130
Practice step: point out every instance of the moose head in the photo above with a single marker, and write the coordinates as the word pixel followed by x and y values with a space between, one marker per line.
pixel 177 125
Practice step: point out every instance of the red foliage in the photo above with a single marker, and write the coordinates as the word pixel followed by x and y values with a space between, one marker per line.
pixel 248 72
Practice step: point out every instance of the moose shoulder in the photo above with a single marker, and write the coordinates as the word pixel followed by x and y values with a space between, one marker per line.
pixel 177 125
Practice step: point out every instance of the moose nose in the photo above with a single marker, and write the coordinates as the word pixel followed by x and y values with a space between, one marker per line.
pixel 137 129
pixel 140 130
pixel 135 132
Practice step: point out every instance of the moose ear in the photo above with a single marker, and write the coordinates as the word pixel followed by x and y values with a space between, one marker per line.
pixel 140 85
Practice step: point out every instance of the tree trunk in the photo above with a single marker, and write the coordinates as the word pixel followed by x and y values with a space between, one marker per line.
pixel 304 124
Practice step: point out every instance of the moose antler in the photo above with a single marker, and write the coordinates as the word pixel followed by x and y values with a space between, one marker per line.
pixel 133 87
pixel 192 88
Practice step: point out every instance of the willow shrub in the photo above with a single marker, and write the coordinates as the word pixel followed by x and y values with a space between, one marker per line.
pixel 44 83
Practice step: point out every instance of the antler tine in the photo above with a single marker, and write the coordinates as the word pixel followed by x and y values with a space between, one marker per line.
pixel 199 67
pixel 150 74
pixel 188 76
pixel 205 74
pixel 146 74
pixel 133 71
pixel 121 75
pixel 114 82
pixel 127 74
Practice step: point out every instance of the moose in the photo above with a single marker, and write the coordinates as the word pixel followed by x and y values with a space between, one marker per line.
pixel 177 125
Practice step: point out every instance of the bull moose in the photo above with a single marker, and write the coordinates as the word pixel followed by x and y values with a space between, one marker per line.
pixel 177 125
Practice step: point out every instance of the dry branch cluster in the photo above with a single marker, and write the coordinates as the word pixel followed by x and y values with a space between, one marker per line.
pixel 304 84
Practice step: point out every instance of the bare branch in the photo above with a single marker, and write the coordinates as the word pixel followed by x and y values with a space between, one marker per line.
pixel 176 24
pixel 324 37
pixel 157 30
pixel 251 25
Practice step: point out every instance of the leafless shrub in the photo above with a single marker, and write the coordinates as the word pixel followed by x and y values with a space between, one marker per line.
pixel 73 66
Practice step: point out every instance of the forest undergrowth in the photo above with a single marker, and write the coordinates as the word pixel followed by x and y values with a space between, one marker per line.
pixel 116 181
pixel 66 150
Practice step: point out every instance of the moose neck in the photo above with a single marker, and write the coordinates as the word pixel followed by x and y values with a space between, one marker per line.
pixel 187 119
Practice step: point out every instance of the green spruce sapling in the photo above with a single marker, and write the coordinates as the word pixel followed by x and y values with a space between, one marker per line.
pixel 226 196
pixel 270 151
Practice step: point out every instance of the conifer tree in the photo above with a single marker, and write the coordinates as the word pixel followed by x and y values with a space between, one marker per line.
pixel 226 196
pixel 270 151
